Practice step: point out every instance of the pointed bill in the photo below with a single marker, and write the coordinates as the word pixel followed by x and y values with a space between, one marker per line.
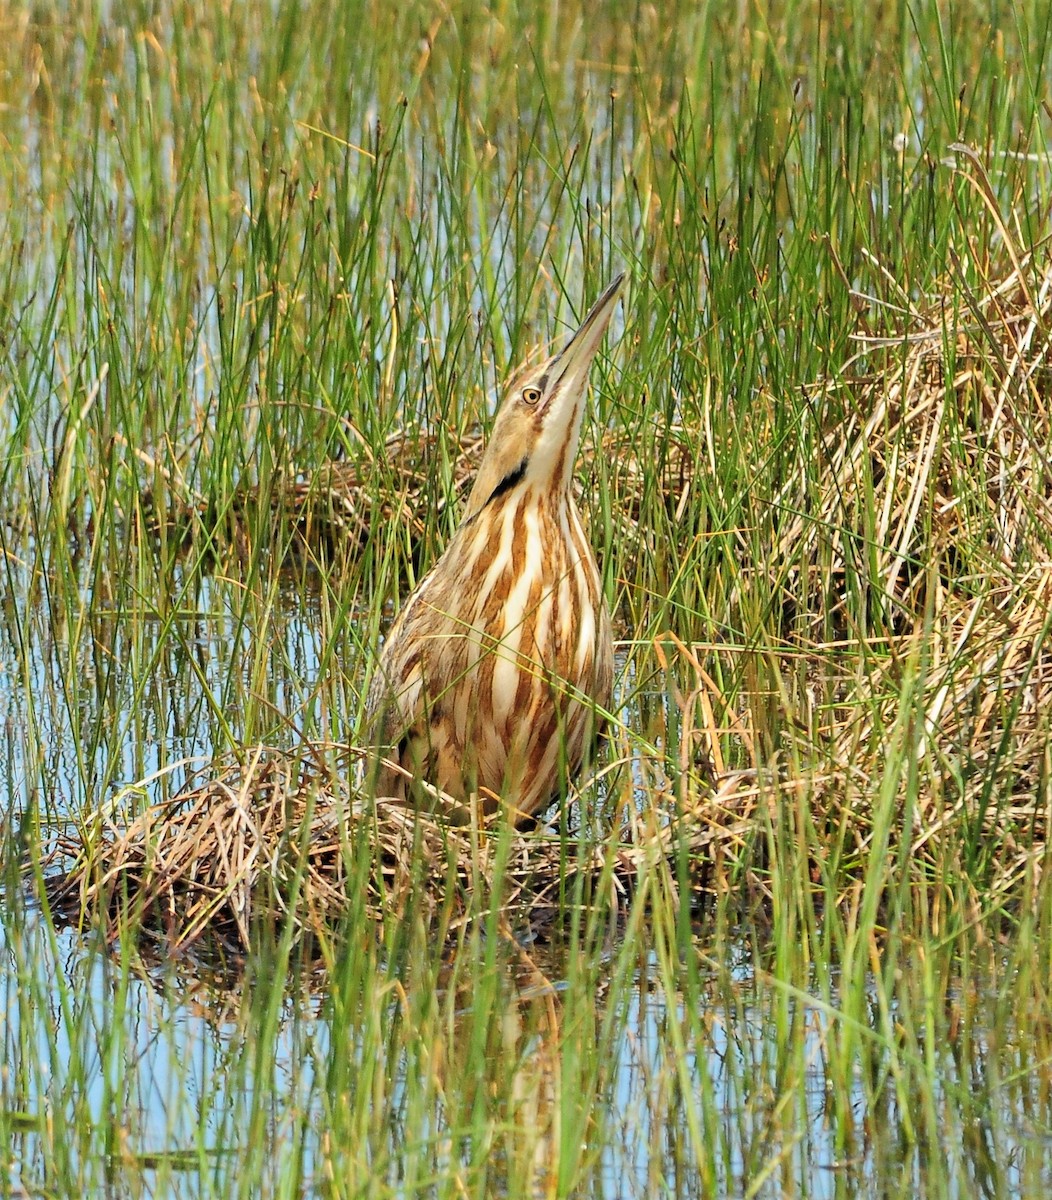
pixel 576 357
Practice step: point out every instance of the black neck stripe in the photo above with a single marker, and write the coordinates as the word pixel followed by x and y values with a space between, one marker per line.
pixel 509 481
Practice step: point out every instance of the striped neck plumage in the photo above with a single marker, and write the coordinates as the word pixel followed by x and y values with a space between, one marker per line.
pixel 538 427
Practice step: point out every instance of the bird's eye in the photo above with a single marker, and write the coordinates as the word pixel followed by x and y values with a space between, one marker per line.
pixel 531 395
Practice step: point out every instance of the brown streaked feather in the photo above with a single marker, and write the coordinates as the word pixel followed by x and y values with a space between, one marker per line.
pixel 492 677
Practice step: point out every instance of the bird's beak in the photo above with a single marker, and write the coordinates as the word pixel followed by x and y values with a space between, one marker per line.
pixel 576 357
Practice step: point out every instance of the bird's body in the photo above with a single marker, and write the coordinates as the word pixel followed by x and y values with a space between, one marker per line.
pixel 490 679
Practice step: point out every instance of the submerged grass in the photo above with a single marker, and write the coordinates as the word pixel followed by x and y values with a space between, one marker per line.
pixel 267 266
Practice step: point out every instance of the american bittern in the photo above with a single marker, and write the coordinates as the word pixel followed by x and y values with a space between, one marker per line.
pixel 490 678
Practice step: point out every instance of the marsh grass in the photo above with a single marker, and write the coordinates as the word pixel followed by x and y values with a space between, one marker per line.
pixel 266 269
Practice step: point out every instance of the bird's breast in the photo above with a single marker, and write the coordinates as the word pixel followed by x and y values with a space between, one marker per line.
pixel 535 619
pixel 506 655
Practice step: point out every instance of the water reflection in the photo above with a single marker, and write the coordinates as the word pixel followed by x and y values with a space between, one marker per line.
pixel 167 1075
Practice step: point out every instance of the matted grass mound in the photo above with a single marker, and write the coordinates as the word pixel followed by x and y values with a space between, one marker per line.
pixel 329 509
pixel 281 833
pixel 929 540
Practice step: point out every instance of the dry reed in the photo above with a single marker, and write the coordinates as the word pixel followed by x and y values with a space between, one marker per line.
pixel 276 833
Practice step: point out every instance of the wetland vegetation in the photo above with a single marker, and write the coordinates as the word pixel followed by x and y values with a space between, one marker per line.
pixel 264 267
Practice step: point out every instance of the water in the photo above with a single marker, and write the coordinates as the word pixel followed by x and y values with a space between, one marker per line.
pixel 166 1059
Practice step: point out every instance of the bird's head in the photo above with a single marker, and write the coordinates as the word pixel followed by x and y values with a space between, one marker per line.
pixel 535 435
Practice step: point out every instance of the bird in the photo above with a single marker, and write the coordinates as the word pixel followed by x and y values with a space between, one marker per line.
pixel 492 682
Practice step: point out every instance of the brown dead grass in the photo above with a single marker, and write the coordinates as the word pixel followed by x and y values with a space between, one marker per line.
pixel 277 834
pixel 934 504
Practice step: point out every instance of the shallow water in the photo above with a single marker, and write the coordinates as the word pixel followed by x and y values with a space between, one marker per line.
pixel 167 1063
